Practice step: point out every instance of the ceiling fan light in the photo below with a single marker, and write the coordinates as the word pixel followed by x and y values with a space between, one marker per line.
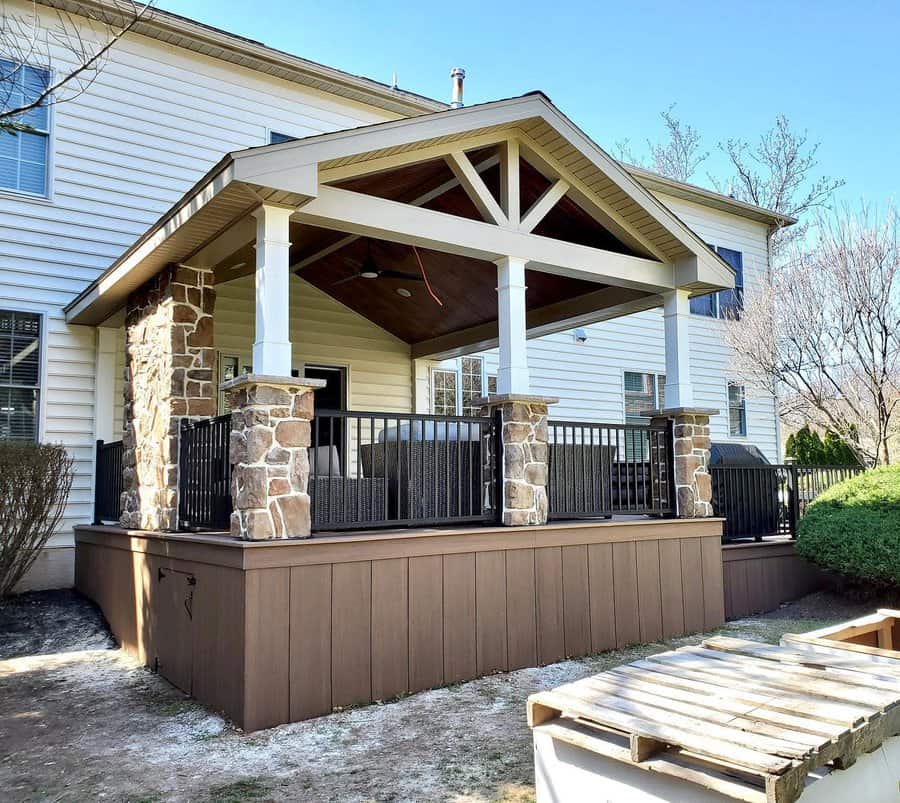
pixel 403 292
pixel 369 274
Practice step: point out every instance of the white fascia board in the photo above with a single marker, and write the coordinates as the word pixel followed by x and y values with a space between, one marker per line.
pixel 178 216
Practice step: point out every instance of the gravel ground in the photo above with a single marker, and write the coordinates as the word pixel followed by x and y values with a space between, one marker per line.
pixel 82 721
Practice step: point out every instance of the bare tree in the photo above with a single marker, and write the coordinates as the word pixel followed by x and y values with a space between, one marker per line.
pixel 824 332
pixel 777 173
pixel 678 156
pixel 74 51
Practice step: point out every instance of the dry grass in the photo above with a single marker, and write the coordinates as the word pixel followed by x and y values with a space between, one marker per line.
pixel 80 720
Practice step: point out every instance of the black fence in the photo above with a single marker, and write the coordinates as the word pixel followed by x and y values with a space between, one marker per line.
pixel 108 482
pixel 204 474
pixel 382 469
pixel 598 470
pixel 757 501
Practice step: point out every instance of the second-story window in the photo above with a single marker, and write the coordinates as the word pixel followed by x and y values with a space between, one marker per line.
pixel 275 137
pixel 25 153
pixel 725 303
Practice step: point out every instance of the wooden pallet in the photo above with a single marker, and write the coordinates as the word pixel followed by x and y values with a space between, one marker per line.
pixel 871 636
pixel 748 720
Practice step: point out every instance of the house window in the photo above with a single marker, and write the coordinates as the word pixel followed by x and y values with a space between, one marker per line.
pixel 228 369
pixel 275 138
pixel 20 375
pixel 643 392
pixel 472 384
pixel 725 303
pixel 737 410
pixel 443 392
pixel 24 155
pixel 454 391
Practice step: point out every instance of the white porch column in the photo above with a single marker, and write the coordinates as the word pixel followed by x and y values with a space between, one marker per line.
pixel 105 384
pixel 272 347
pixel 677 317
pixel 512 373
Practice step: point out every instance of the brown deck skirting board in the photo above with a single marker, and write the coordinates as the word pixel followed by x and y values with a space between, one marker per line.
pixel 760 576
pixel 271 633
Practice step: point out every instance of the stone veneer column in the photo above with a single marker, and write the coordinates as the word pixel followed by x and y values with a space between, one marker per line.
pixel 693 484
pixel 169 361
pixel 270 436
pixel 524 454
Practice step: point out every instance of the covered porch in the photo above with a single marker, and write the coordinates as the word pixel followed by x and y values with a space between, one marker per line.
pixel 431 237
pixel 278 327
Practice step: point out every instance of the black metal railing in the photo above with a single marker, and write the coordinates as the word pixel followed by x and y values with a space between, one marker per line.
pixel 108 481
pixel 386 469
pixel 204 474
pixel 598 470
pixel 757 501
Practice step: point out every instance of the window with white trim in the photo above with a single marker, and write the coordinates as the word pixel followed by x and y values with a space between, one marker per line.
pixel 643 392
pixel 20 375
pixel 725 303
pixel 444 395
pixel 737 410
pixel 453 390
pixel 25 154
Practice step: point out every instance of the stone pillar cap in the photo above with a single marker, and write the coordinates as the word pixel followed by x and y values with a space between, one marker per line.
pixel 670 412
pixel 507 398
pixel 273 380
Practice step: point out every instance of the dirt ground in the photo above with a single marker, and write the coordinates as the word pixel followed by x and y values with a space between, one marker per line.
pixel 82 721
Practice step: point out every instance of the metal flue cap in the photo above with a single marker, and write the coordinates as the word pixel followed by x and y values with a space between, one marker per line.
pixel 458 75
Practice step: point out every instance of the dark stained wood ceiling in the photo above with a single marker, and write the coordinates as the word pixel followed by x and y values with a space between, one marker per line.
pixel 466 287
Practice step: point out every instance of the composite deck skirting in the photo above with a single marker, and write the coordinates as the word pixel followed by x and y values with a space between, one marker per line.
pixel 759 577
pixel 273 633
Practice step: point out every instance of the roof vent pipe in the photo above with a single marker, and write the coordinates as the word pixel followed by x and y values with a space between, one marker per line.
pixel 457 75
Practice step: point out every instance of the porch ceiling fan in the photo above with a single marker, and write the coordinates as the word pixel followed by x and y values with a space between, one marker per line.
pixel 369 270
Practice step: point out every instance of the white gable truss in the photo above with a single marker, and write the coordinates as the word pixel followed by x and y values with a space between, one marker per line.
pixel 212 221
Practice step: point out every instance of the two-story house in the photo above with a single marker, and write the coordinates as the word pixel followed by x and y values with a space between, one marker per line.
pixel 95 173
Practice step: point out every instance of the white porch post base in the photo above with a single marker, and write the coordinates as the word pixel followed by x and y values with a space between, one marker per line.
pixel 512 372
pixel 677 320
pixel 272 347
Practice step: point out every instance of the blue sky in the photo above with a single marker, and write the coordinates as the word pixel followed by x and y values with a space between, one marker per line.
pixel 831 67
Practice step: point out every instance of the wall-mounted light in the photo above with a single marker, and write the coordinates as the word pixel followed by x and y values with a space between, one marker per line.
pixel 580 336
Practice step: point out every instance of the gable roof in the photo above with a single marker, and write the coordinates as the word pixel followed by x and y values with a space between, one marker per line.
pixel 290 173
pixel 541 126
pixel 173 29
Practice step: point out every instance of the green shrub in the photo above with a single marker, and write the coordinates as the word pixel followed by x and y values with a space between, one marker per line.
pixel 808 449
pixel 35 480
pixel 854 528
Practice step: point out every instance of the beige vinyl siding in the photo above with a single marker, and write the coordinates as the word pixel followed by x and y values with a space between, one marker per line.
pixel 155 120
pixel 324 332
pixel 588 378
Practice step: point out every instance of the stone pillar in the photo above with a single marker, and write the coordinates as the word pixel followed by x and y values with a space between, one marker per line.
pixel 693 484
pixel 270 435
pixel 524 453
pixel 169 361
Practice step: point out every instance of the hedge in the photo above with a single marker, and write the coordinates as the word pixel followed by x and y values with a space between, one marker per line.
pixel 853 528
